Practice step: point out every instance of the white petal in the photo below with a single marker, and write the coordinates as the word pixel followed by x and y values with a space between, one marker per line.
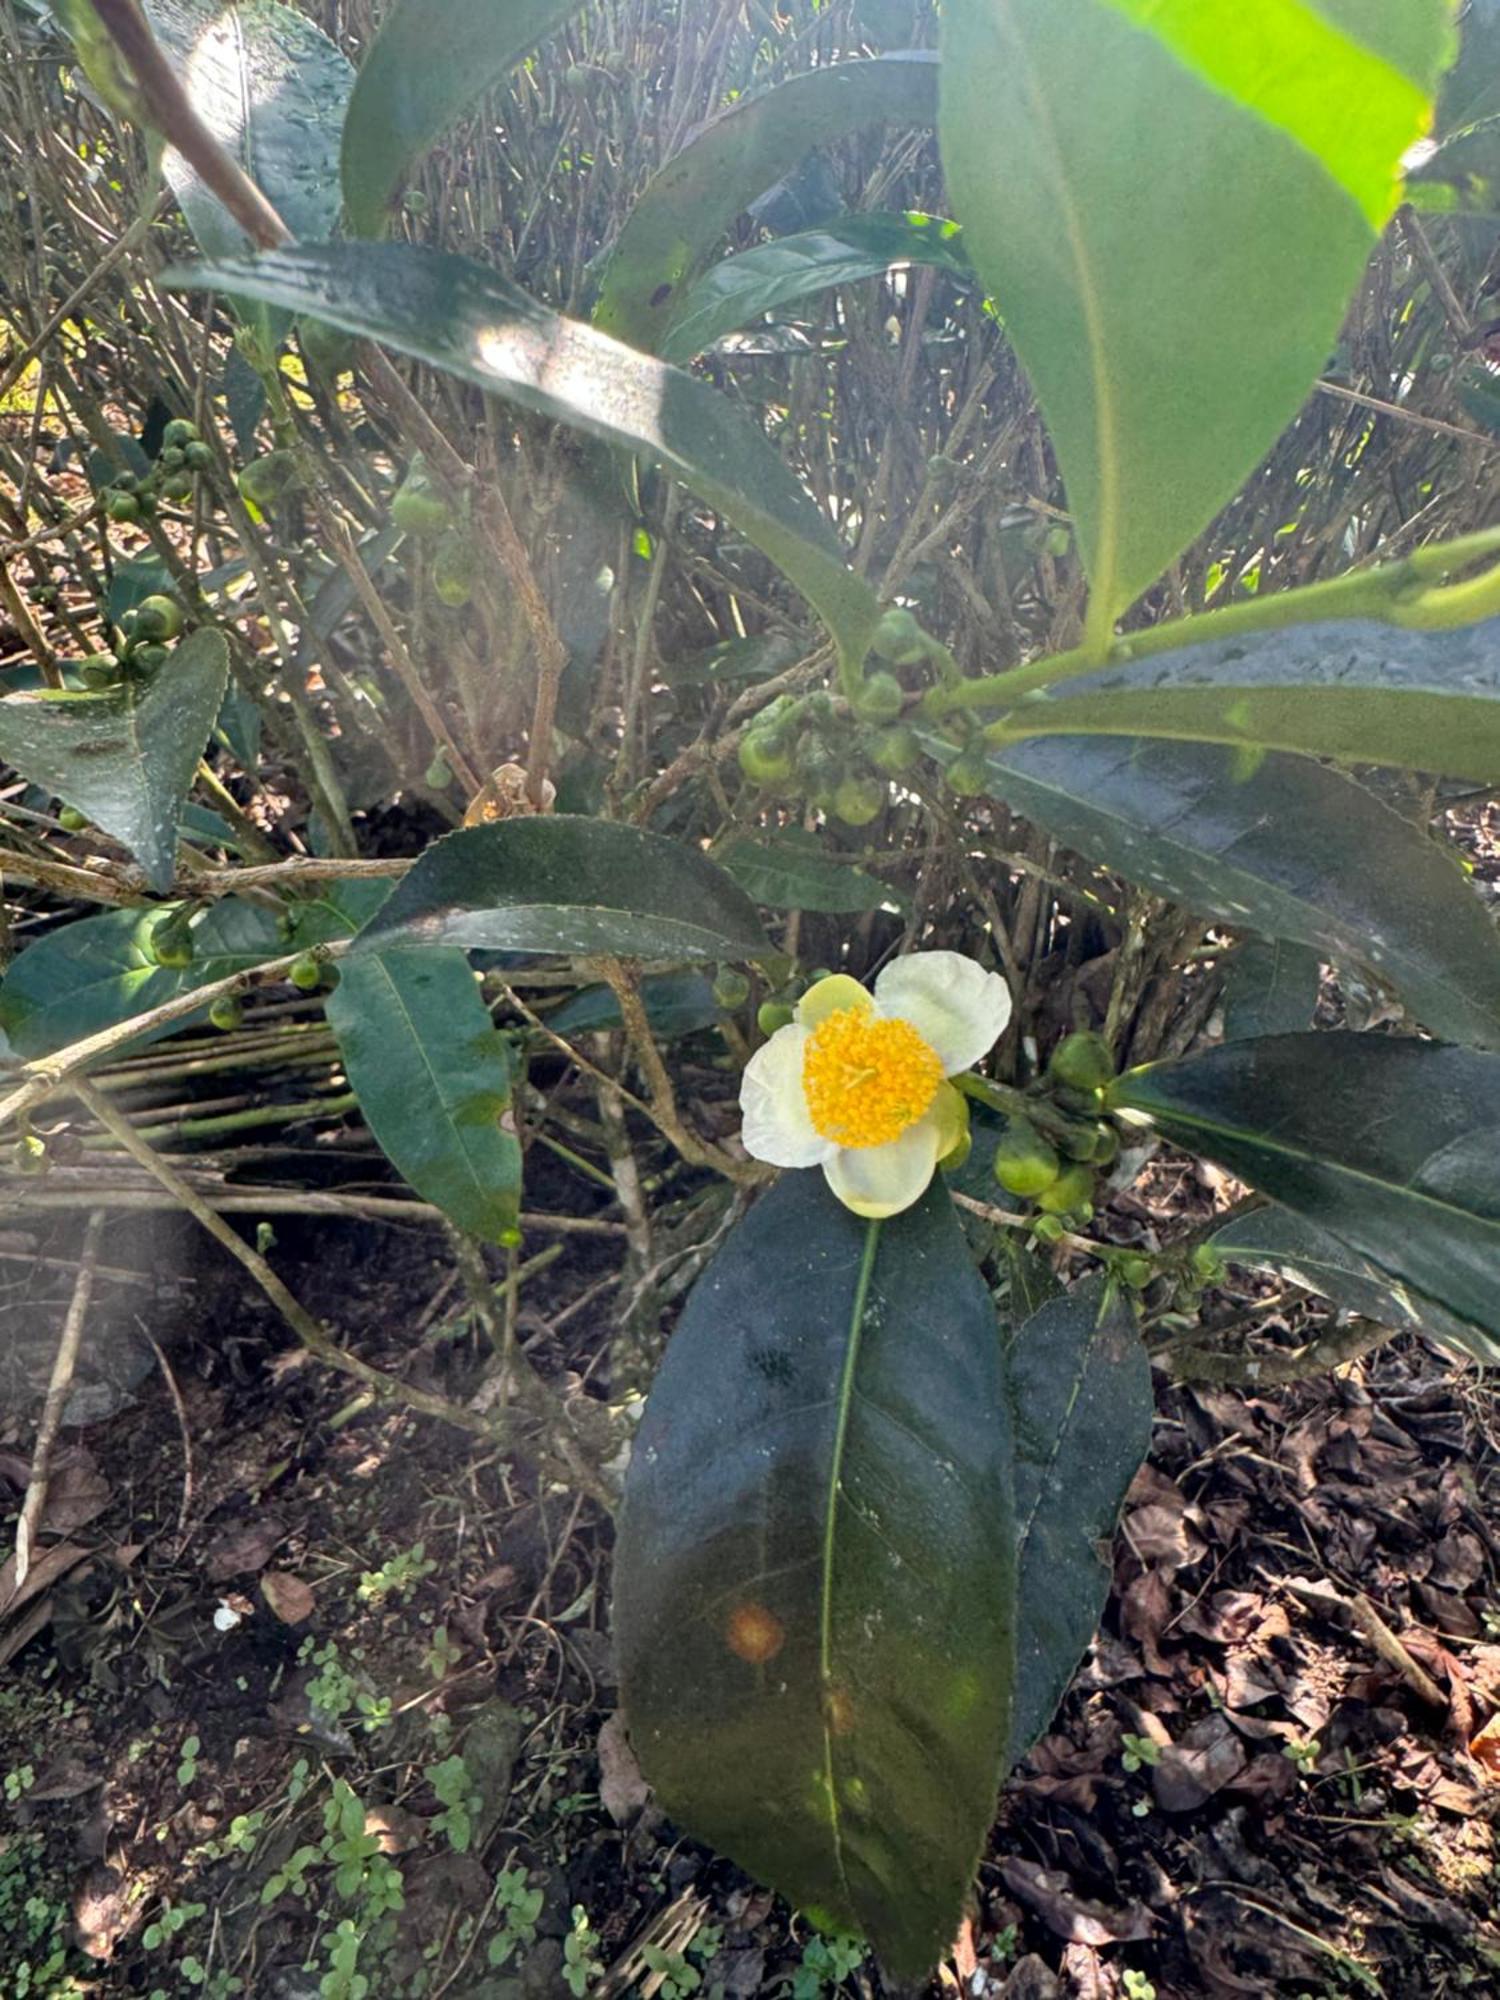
pixel 877 1181
pixel 953 1003
pixel 776 1126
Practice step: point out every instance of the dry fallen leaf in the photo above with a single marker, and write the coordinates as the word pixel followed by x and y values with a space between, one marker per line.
pixel 245 1545
pixel 1485 1750
pixel 622 1789
pixel 288 1596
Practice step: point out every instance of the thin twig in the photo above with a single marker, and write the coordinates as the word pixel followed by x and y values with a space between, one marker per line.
pixel 182 1425
pixel 63 1365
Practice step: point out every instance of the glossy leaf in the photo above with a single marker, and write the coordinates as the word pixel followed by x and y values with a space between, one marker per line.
pixel 1360 691
pixel 737 291
pixel 676 1003
pixel 688 206
pixel 433 1079
pixel 272 88
pixel 564 884
pixel 98 971
pixel 1271 987
pixel 1144 189
pixel 1080 1393
pixel 815 1565
pixel 1393 1146
pixel 470 322
pixel 804 874
pixel 1288 848
pixel 125 759
pixel 1273 1239
pixel 431 62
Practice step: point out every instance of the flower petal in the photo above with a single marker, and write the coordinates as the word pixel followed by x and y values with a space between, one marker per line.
pixel 877 1181
pixel 958 1007
pixel 776 1126
pixel 831 996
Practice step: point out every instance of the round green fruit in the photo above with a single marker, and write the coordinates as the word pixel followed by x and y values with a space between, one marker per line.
pixel 893 750
pixel 1025 1163
pixel 899 638
pixel 148 659
pixel 171 941
pixel 158 618
pixel 306 972
pixel 968 775
pixel 764 758
pixel 179 434
pixel 71 820
pixel 177 487
pixel 199 457
pixel 1082 1061
pixel 819 767
pixel 124 507
pixel 1135 1271
pixel 880 698
pixel 1072 1193
pixel 226 1013
pixel 731 988
pixel 856 801
pixel 172 458
pixel 771 1015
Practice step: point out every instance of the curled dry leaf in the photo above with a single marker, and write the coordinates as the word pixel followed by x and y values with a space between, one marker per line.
pixel 289 1597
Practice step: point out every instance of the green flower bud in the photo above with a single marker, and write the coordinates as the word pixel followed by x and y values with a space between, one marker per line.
pixel 172 458
pixel 1082 1061
pixel 1025 1163
pixel 856 801
pixel 306 972
pixel 124 507
pixel 148 659
pixel 199 457
pixel 226 1013
pixel 880 698
pixel 454 568
pixel 99 670
pixel 1071 1193
pixel 71 820
pixel 179 433
pixel 1135 1271
pixel 1049 1228
pixel 893 750
pixel 171 940
pixel 899 638
pixel 30 1156
pixel 764 759
pixel 771 1015
pixel 158 618
pixel 177 486
pixel 731 988
pixel 968 775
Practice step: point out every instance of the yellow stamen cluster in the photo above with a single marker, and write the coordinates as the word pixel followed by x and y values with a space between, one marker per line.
pixel 867 1080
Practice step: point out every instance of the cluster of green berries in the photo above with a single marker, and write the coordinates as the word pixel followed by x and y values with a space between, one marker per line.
pixel 183 455
pixel 139 644
pixel 1058 1172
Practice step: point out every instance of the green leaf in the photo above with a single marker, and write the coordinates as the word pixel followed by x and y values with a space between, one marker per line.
pixel 1461 167
pixel 564 884
pixel 801 874
pixel 1271 988
pixel 1273 1239
pixel 272 88
pixel 433 1080
pixel 1146 186
pixel 1289 849
pixel 676 1003
pixel 1080 1393
pixel 457 316
pixel 98 971
pixel 689 205
pixel 1358 690
pixel 1393 1146
pixel 737 291
pixel 815 1567
pixel 125 759
pixel 431 62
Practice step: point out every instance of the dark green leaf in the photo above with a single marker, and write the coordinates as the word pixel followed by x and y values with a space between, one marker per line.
pixel 1461 166
pixel 737 291
pixel 457 316
pixel 560 884
pixel 1289 849
pixel 691 202
pixel 1360 691
pixel 815 1566
pixel 1273 1239
pixel 1271 988
pixel 432 61
pixel 125 759
pixel 98 971
pixel 676 1003
pixel 1393 1146
pixel 272 89
pixel 433 1080
pixel 801 874
pixel 1080 1393
pixel 1145 188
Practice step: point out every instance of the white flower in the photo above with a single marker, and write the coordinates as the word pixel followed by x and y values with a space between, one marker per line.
pixel 855 1084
